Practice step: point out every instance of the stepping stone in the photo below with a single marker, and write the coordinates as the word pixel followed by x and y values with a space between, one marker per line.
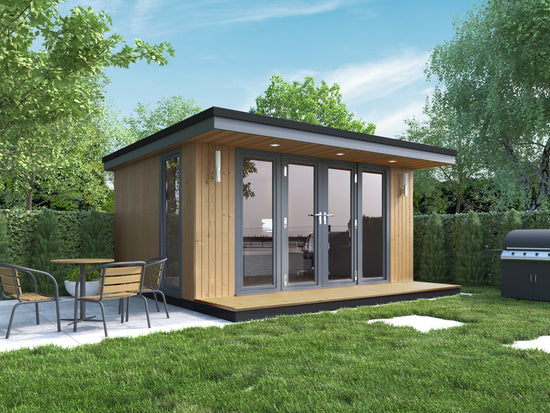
pixel 541 343
pixel 419 322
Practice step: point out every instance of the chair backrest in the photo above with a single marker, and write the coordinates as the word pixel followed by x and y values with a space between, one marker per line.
pixel 121 277
pixel 9 281
pixel 153 272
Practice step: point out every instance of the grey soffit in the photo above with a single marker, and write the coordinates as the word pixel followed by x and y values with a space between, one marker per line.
pixel 249 123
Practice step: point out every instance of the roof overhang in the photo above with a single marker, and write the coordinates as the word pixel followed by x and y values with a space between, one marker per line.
pixel 220 126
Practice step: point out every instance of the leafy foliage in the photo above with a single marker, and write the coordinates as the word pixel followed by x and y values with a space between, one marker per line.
pixel 148 119
pixel 5 255
pixel 93 236
pixel 495 226
pixel 51 79
pixel 493 96
pixel 45 246
pixel 306 102
pixel 434 254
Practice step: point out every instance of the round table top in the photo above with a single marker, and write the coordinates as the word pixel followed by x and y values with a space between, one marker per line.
pixel 82 260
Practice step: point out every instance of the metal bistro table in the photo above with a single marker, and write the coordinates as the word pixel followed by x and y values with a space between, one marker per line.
pixel 82 262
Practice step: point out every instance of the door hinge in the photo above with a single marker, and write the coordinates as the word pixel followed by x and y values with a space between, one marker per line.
pixel 285 172
pixel 355 178
pixel 285 279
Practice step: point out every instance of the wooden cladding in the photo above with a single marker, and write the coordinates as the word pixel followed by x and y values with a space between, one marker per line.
pixel 208 219
pixel 401 226
pixel 137 210
pixel 214 226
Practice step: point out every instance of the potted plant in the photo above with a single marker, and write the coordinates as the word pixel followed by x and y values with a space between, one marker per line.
pixel 92 281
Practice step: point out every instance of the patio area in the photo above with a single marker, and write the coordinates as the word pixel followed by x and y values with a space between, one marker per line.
pixel 26 334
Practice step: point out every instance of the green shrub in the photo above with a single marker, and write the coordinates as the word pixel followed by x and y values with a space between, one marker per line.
pixel 494 226
pixel 5 255
pixel 93 239
pixel 434 255
pixel 45 246
pixel 470 268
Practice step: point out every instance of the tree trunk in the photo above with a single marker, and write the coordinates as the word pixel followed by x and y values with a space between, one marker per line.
pixel 544 176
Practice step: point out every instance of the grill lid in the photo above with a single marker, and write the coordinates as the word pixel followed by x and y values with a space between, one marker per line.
pixel 528 239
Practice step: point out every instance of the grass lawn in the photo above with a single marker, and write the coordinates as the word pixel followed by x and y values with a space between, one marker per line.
pixel 326 362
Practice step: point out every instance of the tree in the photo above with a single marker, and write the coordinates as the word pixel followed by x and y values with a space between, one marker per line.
pixel 52 73
pixel 305 102
pixel 495 80
pixel 148 119
pixel 93 236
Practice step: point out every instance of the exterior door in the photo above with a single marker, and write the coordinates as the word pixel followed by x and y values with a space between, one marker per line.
pixel 308 223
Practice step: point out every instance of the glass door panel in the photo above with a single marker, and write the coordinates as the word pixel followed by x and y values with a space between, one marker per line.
pixel 373 225
pixel 171 223
pixel 301 227
pixel 339 224
pixel 257 227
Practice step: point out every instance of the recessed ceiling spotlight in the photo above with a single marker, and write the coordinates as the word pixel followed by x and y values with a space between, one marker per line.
pixel 274 145
pixel 340 154
pixel 392 161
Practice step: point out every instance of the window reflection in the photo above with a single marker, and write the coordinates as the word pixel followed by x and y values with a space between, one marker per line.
pixel 172 181
pixel 339 231
pixel 301 239
pixel 257 222
pixel 373 225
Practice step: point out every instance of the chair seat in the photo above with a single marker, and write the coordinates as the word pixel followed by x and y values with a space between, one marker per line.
pixel 34 297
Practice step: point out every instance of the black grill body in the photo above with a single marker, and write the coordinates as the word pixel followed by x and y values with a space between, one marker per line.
pixel 525 264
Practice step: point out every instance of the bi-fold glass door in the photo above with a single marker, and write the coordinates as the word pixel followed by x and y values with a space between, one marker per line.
pixel 299 224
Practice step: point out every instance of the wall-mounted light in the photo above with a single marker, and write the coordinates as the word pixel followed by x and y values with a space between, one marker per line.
pixel 218 166
pixel 405 183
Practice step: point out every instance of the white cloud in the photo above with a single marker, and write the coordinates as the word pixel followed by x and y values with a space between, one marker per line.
pixel 223 12
pixel 392 123
pixel 368 81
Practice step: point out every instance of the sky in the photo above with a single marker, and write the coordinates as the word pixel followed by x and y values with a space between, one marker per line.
pixel 227 50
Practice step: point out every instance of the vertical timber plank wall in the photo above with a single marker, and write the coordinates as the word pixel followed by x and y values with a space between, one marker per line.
pixel 215 223
pixel 137 210
pixel 401 227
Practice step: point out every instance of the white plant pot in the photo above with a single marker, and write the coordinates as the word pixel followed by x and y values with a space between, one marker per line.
pixel 92 287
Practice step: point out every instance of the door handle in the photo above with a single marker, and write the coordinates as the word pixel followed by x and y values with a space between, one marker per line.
pixel 320 215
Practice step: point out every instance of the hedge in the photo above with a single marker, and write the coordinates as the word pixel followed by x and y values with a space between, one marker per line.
pixel 21 225
pixel 493 232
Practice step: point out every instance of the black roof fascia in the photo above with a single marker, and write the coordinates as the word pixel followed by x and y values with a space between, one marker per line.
pixel 214 112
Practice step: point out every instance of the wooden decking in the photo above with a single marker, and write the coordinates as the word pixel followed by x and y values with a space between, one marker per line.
pixel 319 298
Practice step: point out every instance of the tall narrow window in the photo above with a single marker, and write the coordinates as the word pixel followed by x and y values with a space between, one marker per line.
pixel 257 222
pixel 172 225
pixel 373 225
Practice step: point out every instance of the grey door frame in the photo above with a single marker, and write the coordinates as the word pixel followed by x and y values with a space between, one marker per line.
pixel 280 211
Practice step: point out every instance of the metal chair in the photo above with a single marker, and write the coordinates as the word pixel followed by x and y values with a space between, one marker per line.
pixel 152 277
pixel 119 281
pixel 10 286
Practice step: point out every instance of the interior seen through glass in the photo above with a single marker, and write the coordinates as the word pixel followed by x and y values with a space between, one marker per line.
pixel 339 224
pixel 257 222
pixel 373 225
pixel 301 239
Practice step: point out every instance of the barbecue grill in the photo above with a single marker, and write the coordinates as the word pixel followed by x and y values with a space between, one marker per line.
pixel 525 264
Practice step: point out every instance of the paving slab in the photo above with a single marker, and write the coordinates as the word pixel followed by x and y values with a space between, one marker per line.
pixel 25 333
pixel 540 343
pixel 419 322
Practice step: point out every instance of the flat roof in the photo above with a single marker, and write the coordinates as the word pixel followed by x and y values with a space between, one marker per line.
pixel 248 130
